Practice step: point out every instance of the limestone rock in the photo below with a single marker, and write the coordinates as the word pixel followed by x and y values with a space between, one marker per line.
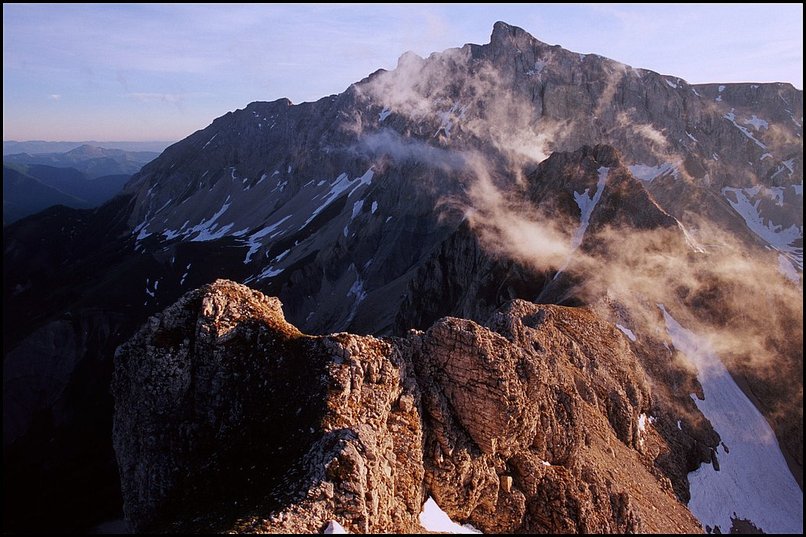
pixel 228 418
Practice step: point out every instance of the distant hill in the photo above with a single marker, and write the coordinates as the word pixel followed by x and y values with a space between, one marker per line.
pixel 84 177
pixel 24 195
pixel 92 161
pixel 40 146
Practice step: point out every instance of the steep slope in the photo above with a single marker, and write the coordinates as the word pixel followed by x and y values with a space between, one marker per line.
pixel 84 177
pixel 95 190
pixel 24 194
pixel 523 426
pixel 426 191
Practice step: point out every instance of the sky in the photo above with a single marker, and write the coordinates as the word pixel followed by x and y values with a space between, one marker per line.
pixel 141 72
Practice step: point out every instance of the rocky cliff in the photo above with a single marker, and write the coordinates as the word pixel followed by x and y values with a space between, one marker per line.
pixel 229 418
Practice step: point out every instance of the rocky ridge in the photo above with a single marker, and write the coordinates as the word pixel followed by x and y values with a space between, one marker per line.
pixel 228 418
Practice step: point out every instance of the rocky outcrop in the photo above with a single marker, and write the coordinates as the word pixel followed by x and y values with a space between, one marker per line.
pixel 228 418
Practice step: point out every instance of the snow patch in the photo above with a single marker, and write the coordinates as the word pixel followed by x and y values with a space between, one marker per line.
pixel 358 293
pixel 342 184
pixel 627 332
pixel 757 123
pixel 210 140
pixel 149 292
pixel 357 206
pixel 457 111
pixel 253 242
pixel 206 227
pixel 374 207
pixel 753 481
pixel 334 528
pixel 185 275
pixel 642 421
pixel 269 272
pixel 432 518
pixel 649 173
pixel 143 232
pixel 777 236
pixel 586 205
pixel 730 116
pixel 786 268
pixel 384 114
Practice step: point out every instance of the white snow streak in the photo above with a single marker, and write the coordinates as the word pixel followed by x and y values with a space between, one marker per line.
pixel 753 481
pixel 757 123
pixel 342 184
pixel 732 118
pixel 786 268
pixel 206 227
pixel 586 205
pixel 384 114
pixel 648 173
pixel 777 236
pixel 185 275
pixel 255 244
pixel 210 140
pixel 627 332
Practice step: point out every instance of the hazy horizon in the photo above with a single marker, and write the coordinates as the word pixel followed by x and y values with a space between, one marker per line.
pixel 145 72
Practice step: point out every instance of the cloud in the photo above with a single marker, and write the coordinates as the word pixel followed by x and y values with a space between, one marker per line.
pixel 54 97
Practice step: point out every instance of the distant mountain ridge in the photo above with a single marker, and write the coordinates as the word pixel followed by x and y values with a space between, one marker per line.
pixel 41 146
pixel 92 161
pixel 81 178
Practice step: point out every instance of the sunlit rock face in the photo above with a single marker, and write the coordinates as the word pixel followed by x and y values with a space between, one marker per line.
pixel 229 418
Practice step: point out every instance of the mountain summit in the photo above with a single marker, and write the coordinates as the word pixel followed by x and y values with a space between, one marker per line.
pixel 448 186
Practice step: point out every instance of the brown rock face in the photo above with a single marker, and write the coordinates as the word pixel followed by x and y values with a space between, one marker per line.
pixel 228 418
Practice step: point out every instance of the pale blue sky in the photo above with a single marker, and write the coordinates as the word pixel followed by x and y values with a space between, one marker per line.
pixel 161 72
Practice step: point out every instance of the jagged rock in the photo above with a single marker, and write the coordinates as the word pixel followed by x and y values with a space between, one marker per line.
pixel 228 418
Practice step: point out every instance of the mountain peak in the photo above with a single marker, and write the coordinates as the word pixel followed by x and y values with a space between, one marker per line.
pixel 87 150
pixel 506 33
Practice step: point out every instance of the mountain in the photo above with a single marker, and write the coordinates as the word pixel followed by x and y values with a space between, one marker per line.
pixel 91 160
pixel 25 194
pixel 83 177
pixel 448 186
pixel 11 147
